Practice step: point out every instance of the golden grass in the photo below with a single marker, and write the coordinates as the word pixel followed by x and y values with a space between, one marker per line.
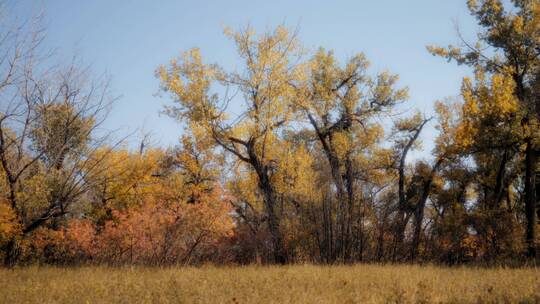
pixel 288 284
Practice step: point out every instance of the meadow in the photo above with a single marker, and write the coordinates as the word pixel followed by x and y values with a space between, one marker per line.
pixel 271 284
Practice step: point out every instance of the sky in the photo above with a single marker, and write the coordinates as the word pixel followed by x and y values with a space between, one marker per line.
pixel 128 40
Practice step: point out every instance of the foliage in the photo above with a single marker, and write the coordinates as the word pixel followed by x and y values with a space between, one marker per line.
pixel 288 158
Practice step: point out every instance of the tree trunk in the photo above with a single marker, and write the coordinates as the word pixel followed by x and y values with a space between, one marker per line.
pixel 278 247
pixel 537 195
pixel 338 242
pixel 269 196
pixel 399 233
pixel 349 182
pixel 418 219
pixel 11 253
pixel 340 224
pixel 420 206
pixel 530 198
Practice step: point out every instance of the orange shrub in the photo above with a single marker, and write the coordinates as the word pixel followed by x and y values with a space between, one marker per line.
pixel 154 234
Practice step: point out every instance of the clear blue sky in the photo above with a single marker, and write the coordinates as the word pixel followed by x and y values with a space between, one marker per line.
pixel 129 39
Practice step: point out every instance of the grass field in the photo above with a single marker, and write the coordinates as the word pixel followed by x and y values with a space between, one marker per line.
pixel 289 284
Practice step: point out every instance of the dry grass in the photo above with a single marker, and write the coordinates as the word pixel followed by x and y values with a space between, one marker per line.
pixel 289 284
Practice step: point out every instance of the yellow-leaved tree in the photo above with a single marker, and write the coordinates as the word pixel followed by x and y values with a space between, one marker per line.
pixel 249 131
pixel 501 107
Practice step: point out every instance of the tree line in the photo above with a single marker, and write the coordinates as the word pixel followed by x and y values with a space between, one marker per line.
pixel 289 158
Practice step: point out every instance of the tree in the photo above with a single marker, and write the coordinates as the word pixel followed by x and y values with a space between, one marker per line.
pixel 339 104
pixel 512 35
pixel 48 121
pixel 252 136
pixel 407 132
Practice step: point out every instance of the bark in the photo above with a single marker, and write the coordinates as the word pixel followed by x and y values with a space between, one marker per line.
pixel 418 219
pixel 531 158
pixel 349 182
pixel 270 199
pixel 11 253
pixel 537 179
pixel 278 247
pixel 419 210
pixel 403 199
pixel 338 241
